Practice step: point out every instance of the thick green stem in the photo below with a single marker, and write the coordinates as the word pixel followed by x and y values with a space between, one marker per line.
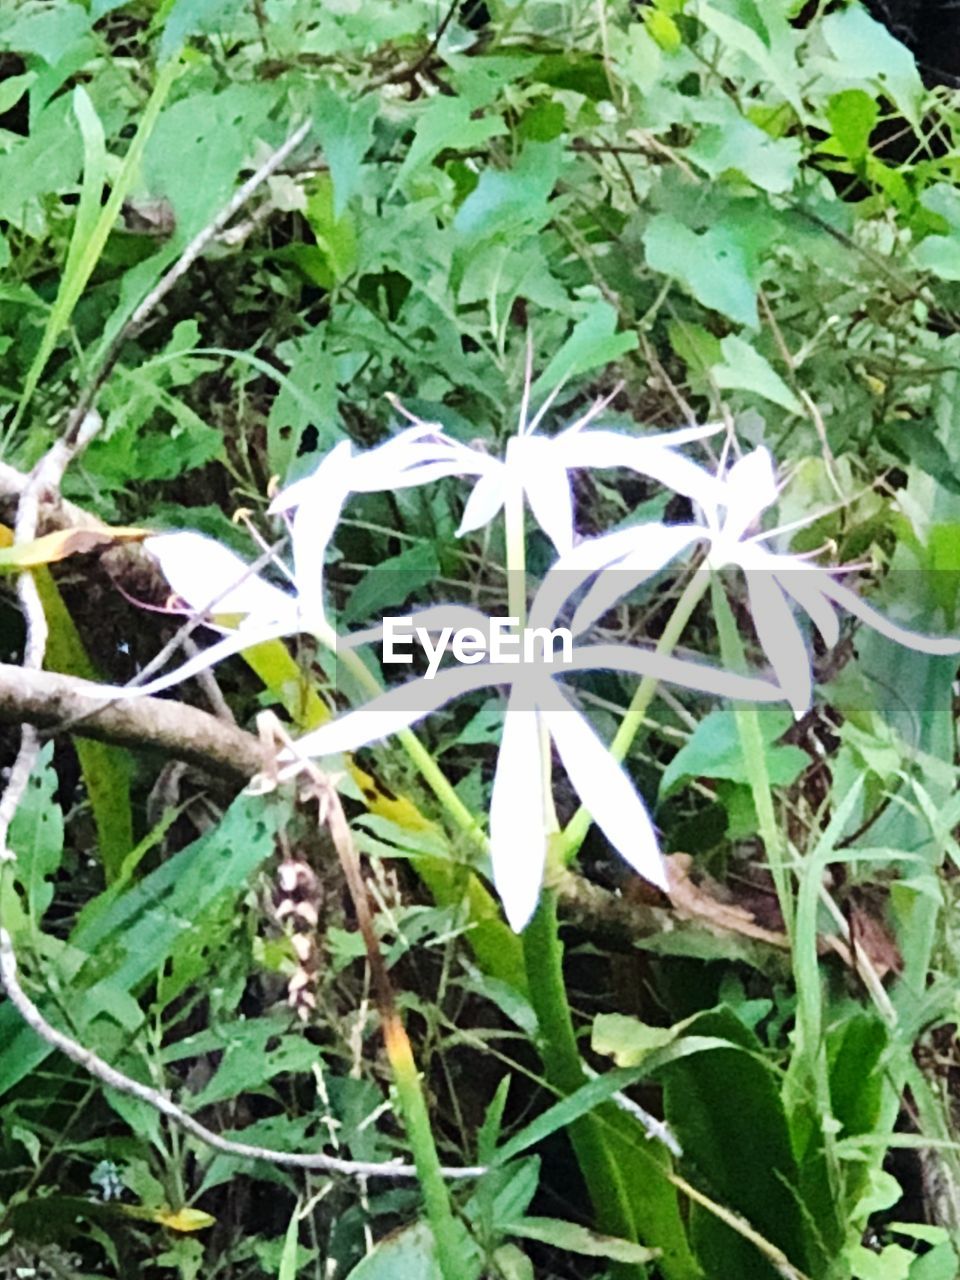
pixel 755 758
pixel 563 1068
pixel 578 826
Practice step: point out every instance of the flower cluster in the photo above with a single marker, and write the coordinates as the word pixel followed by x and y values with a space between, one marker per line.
pixel 588 576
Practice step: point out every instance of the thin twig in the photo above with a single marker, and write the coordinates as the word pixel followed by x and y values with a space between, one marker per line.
pixel 200 241
pixel 96 1066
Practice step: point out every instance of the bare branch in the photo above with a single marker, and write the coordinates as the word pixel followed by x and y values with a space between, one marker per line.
pixel 51 701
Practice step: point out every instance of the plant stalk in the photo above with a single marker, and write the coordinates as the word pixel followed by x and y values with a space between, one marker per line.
pixel 754 756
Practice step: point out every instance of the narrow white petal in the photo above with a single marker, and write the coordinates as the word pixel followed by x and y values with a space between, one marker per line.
pixel 655 546
pixel 571 570
pixel 648 456
pixel 806 587
pixel 485 501
pixel 542 473
pixel 330 474
pixel 313 528
pixel 243 638
pixel 751 487
pixel 518 836
pixel 203 572
pixel 692 675
pixel 781 639
pixel 938 646
pixel 607 793
pixel 401 707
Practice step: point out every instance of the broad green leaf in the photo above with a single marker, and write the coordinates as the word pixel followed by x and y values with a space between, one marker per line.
pixel 716 265
pixel 335 235
pixel 187 18
pixel 593 343
pixel 866 50
pixel 713 751
pixel 852 115
pixel 405 1255
pixel 745 369
pixel 713 1102
pixel 445 123
pixel 389 584
pixel 735 143
pixel 505 203
pixel 345 130
pixel 628 1040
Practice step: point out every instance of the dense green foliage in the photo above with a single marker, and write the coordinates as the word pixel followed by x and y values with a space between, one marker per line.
pixel 718 209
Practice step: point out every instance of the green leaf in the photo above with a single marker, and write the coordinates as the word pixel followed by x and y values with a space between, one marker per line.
pixel 36 836
pixel 852 115
pixel 745 369
pixel 405 1255
pixel 13 88
pixel 345 130
pixel 335 235
pixel 714 751
pixel 716 266
pixel 575 1239
pixel 445 123
pixel 392 582
pixel 628 1040
pixel 592 343
pixel 188 18
pixel 735 143
pixel 865 50
pixel 505 203
pixel 713 1100
pixel 288 1259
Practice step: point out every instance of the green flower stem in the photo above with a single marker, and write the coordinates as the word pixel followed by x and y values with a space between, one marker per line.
pixel 578 826
pixel 448 1234
pixel 543 952
pixel 543 958
pixel 755 758
pixel 416 752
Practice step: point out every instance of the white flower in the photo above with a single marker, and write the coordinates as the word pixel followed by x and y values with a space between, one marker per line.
pixel 773 579
pixel 214 583
pixel 537 701
pixel 537 465
pixel 414 457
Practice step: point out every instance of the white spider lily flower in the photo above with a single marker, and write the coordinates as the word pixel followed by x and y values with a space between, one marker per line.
pixel 626 559
pixel 414 457
pixel 540 465
pixel 214 583
pixel 537 701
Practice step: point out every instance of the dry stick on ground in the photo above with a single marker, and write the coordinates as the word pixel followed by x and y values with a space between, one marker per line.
pixel 44 481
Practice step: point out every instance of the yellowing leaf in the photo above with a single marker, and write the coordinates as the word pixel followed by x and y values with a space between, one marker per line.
pixel 61 544
pixel 183 1220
